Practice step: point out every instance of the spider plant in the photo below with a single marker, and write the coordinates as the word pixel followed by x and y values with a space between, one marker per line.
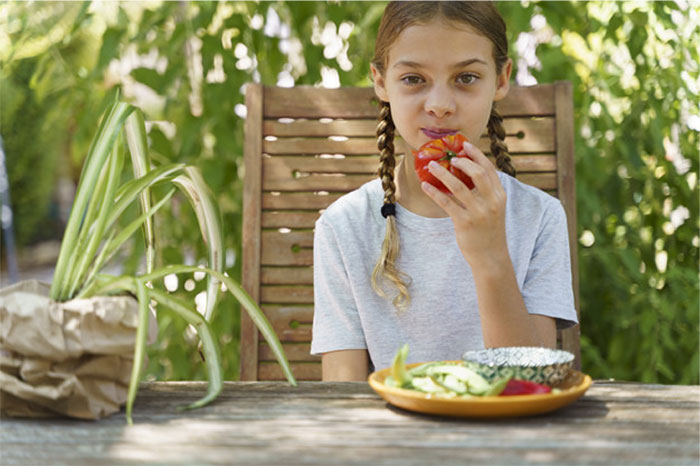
pixel 92 238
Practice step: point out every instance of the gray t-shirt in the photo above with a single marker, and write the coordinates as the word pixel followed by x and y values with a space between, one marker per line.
pixel 442 321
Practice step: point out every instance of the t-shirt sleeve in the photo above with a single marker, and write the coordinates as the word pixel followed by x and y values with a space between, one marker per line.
pixel 336 324
pixel 548 289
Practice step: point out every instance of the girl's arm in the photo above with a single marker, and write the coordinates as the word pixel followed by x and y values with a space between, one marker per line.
pixel 345 366
pixel 479 219
pixel 504 317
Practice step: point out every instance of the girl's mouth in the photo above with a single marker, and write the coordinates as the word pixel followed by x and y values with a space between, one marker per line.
pixel 437 133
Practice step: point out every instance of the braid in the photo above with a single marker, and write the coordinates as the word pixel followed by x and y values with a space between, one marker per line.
pixel 499 149
pixel 386 265
pixel 387 161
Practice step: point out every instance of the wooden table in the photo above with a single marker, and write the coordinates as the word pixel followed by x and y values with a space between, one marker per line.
pixel 346 423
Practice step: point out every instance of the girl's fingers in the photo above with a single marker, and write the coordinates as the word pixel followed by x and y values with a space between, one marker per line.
pixel 447 204
pixel 460 191
pixel 480 159
pixel 480 175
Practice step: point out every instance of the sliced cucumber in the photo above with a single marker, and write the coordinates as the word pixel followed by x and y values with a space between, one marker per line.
pixel 451 383
pixel 476 384
pixel 398 368
pixel 427 385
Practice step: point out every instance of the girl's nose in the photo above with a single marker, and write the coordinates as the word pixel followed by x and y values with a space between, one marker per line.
pixel 439 103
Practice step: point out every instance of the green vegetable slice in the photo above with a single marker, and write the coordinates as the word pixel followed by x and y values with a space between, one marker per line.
pixel 427 385
pixel 398 368
pixel 497 387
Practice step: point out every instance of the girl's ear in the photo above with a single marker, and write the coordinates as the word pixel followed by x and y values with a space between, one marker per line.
pixel 503 81
pixel 379 84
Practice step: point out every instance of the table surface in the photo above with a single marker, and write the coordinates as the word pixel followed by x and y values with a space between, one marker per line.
pixel 347 423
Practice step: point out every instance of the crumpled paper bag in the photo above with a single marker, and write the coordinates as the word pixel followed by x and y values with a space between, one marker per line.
pixel 71 358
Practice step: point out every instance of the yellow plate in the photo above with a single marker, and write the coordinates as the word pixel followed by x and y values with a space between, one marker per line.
pixel 571 388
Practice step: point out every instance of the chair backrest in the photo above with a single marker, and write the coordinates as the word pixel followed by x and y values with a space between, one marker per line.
pixel 307 146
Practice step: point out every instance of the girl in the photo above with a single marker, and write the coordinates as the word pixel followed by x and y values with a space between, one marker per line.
pixel 397 260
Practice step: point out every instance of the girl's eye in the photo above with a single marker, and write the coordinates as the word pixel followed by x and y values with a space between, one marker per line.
pixel 412 79
pixel 467 78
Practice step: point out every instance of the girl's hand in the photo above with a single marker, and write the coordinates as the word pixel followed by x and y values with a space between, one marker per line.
pixel 478 214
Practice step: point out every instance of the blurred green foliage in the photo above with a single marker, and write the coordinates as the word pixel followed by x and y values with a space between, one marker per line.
pixel 635 72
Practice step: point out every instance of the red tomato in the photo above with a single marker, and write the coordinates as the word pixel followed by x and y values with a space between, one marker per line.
pixel 524 387
pixel 441 150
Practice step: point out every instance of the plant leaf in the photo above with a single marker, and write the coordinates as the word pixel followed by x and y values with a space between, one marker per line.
pixel 107 284
pixel 86 224
pixel 97 228
pixel 256 314
pixel 132 189
pixel 135 130
pixel 211 348
pixel 144 298
pixel 209 218
pixel 111 246
pixel 99 151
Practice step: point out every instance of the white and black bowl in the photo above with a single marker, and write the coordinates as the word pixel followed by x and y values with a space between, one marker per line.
pixel 536 364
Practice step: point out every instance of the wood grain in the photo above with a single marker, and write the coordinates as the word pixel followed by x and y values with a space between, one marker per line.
pixel 347 423
pixel 358 103
pixel 532 141
pixel 308 200
pixel 302 371
pixel 566 181
pixel 252 215
pixel 287 275
pixel 309 174
pixel 515 128
pixel 285 249
pixel 294 352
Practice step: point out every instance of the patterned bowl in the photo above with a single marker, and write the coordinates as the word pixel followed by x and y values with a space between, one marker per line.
pixel 540 365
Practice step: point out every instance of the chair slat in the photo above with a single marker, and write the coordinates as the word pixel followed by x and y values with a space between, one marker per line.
pixel 287 276
pixel 291 323
pixel 283 294
pixel 252 192
pixel 528 101
pixel 286 249
pixel 534 163
pixel 303 314
pixel 368 128
pixel 311 128
pixel 289 219
pixel 279 179
pixel 285 200
pixel 312 146
pixel 353 102
pixel 294 351
pixel 297 167
pixel 544 181
pixel 301 370
pixel 288 334
pixel 312 102
pixel 530 142
pixel 302 239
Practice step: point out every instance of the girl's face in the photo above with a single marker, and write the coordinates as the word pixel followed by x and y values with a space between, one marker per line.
pixel 440 78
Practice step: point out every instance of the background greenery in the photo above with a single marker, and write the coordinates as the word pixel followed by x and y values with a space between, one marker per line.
pixel 634 66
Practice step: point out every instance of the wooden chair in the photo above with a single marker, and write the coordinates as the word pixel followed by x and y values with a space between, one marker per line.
pixel 306 146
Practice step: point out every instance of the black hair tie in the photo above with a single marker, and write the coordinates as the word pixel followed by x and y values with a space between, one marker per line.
pixel 388 209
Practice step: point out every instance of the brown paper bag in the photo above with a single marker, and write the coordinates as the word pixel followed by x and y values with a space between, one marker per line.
pixel 71 358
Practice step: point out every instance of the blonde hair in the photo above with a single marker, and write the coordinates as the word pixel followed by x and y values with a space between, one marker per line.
pixel 485 18
pixel 386 266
